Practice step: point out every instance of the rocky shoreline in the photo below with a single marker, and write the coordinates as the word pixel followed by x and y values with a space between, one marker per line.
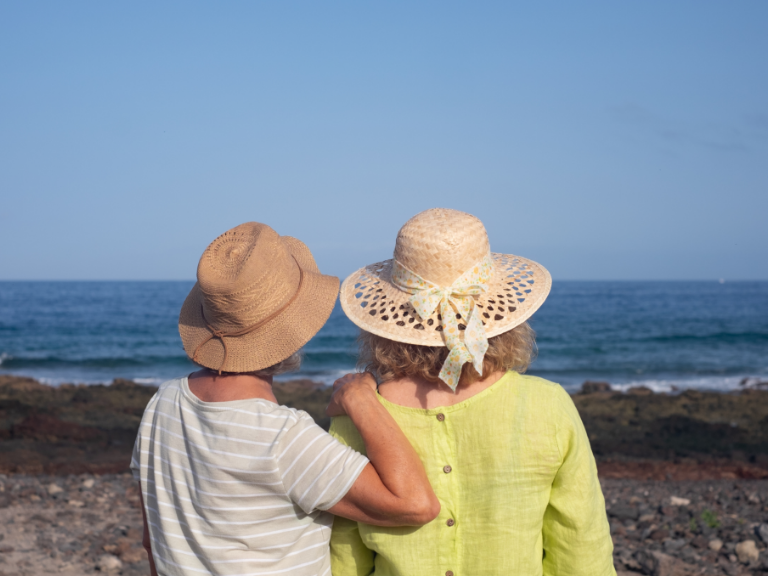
pixel 687 528
pixel 90 429
pixel 84 524
pixel 685 476
pixel 78 429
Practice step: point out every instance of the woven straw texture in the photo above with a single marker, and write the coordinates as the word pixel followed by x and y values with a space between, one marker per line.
pixel 440 245
pixel 250 276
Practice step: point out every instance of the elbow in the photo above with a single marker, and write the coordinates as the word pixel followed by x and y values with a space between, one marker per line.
pixel 426 510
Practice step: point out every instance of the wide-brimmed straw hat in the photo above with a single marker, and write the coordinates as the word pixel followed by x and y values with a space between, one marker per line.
pixel 442 262
pixel 259 298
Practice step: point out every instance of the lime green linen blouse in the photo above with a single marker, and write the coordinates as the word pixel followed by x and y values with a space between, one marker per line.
pixel 517 482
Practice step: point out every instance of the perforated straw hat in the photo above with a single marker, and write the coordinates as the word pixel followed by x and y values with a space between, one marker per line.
pixel 441 252
pixel 259 298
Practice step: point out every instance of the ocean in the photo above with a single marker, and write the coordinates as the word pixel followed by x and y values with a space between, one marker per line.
pixel 663 335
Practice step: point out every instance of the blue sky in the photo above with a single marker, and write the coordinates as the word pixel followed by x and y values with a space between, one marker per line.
pixel 606 140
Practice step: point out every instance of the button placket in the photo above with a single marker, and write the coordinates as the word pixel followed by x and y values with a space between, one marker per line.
pixel 444 450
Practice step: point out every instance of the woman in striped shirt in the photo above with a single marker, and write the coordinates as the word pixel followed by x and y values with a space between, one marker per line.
pixel 233 483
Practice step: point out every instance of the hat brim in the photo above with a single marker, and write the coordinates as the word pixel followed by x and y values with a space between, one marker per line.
pixel 277 339
pixel 517 289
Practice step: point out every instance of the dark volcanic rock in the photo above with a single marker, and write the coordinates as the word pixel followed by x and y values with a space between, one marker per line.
pixel 312 397
pixel 75 429
pixel 78 428
pixel 624 512
pixel 694 425
pixel 591 386
pixel 762 532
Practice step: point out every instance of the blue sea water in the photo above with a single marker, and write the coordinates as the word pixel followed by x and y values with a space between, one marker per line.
pixel 658 334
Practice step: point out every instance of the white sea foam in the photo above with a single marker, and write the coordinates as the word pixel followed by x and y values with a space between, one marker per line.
pixel 661 384
pixel 4 356
pixel 150 381
pixel 58 381
pixel 711 383
pixel 327 378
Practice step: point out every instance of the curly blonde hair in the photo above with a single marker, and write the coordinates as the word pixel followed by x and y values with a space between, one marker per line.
pixel 388 359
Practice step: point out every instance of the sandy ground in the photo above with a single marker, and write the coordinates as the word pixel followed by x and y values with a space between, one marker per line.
pixel 74 525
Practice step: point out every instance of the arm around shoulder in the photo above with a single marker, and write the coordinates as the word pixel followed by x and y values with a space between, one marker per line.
pixel 393 489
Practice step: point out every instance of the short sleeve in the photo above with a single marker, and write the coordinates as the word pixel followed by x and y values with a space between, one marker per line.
pixel 316 470
pixel 136 458
pixel 576 535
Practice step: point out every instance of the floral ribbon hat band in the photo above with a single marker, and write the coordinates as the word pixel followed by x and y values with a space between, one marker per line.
pixel 456 302
pixel 444 287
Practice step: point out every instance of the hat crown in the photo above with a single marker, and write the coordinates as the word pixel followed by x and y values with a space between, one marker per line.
pixel 245 275
pixel 441 244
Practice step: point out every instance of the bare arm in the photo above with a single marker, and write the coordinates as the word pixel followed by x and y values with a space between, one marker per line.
pixel 393 489
pixel 145 541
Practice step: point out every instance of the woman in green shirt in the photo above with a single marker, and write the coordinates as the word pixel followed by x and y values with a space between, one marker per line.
pixel 444 330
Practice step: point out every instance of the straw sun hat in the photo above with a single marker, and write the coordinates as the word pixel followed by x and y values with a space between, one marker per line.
pixel 442 262
pixel 259 298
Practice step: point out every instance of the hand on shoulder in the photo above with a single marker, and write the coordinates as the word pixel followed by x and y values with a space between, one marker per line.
pixel 346 389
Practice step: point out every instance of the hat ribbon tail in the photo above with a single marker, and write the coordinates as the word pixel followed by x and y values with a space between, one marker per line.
pixel 456 302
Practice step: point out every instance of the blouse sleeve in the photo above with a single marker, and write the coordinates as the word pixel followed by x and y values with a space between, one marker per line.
pixel 349 556
pixel 576 535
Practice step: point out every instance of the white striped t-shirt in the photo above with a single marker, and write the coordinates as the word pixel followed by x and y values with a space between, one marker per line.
pixel 238 488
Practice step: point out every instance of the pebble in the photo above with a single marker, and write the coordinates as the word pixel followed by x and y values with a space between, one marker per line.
pixel 108 563
pixel 54 489
pixel 88 483
pixel 716 544
pixel 676 501
pixel 747 552
pixel 762 532
pixel 624 512
pixel 674 545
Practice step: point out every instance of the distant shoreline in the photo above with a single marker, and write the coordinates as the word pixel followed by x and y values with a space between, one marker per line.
pixel 669 384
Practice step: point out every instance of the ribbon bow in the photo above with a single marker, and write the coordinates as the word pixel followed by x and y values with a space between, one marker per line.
pixel 457 303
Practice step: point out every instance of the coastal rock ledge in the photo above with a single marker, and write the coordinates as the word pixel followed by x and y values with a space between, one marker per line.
pixel 77 429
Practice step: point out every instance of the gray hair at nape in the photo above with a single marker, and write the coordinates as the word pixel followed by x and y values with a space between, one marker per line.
pixel 290 364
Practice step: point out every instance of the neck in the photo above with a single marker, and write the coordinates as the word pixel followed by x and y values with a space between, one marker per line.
pixel 209 386
pixel 420 393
